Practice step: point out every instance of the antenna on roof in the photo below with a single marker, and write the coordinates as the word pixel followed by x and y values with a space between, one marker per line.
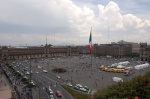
pixel 46 40
pixel 108 30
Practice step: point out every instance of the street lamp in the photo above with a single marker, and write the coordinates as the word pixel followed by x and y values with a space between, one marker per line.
pixel 102 79
pixel 71 73
pixel 38 85
pixel 30 79
pixel 47 65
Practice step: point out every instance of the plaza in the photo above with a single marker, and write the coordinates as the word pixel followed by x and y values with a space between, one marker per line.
pixel 80 71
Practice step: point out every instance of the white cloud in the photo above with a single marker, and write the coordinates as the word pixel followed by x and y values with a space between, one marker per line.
pixel 41 18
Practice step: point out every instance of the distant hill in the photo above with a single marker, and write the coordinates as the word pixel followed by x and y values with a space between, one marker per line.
pixel 139 86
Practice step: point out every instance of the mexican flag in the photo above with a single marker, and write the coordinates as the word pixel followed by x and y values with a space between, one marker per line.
pixel 90 43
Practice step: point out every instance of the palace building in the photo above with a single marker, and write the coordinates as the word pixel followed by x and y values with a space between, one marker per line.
pixel 120 49
pixel 18 53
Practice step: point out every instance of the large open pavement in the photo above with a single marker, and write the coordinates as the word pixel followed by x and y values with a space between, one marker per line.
pixel 78 71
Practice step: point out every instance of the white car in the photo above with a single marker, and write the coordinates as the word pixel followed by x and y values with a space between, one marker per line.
pixel 27 73
pixel 45 71
pixel 83 89
pixel 49 91
pixel 39 67
pixel 58 77
pixel 36 72
pixel 25 77
pixel 51 97
pixel 32 83
pixel 31 72
pixel 79 85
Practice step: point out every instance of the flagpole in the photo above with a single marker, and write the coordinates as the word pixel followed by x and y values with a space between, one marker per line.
pixel 90 45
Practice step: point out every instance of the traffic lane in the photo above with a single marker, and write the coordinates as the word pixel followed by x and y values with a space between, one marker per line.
pixel 54 77
pixel 40 70
pixel 65 94
pixel 39 82
pixel 38 78
pixel 53 86
pixel 33 77
pixel 45 84
pixel 41 77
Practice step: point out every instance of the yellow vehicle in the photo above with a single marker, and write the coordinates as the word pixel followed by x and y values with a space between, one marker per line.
pixel 119 70
pixel 110 69
pixel 102 67
pixel 105 69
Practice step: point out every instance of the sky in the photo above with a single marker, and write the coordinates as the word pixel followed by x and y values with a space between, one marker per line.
pixel 69 22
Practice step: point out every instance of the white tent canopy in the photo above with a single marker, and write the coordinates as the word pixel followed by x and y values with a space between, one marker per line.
pixel 117 79
pixel 123 63
pixel 142 66
pixel 120 67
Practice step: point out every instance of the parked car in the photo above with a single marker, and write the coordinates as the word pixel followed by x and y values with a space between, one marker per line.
pixel 69 84
pixel 76 87
pixel 83 89
pixel 86 87
pixel 79 85
pixel 45 71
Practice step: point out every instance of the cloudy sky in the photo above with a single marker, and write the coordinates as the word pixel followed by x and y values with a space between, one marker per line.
pixel 30 22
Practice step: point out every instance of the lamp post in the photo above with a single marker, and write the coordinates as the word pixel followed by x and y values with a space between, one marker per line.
pixel 48 65
pixel 38 85
pixel 30 78
pixel 102 79
pixel 71 72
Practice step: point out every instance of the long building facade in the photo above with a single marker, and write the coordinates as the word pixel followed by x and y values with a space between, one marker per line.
pixel 116 50
pixel 13 53
pixel 119 49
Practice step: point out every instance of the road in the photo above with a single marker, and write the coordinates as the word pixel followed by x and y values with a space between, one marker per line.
pixel 44 80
